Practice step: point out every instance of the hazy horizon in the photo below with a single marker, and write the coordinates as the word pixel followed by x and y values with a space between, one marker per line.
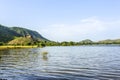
pixel 64 20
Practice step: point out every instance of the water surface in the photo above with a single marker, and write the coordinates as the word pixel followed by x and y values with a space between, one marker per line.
pixel 61 63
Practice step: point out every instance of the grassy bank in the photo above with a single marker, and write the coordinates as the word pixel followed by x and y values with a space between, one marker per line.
pixel 15 47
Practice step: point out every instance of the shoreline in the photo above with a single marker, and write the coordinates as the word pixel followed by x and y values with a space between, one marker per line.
pixel 16 47
pixel 35 46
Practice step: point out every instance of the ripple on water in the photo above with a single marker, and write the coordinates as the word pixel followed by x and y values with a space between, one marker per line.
pixel 61 63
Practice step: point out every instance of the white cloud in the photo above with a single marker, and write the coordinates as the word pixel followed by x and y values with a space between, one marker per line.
pixel 87 28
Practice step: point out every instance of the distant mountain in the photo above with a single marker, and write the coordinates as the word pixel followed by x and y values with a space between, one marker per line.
pixel 109 41
pixel 9 33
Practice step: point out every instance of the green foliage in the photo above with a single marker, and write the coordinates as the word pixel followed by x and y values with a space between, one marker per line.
pixel 64 43
pixel 83 42
pixel 22 41
pixel 1 43
pixel 41 45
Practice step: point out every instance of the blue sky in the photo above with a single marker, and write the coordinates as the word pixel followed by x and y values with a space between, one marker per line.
pixel 64 20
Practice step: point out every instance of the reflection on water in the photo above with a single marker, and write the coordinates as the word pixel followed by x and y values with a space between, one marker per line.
pixel 61 63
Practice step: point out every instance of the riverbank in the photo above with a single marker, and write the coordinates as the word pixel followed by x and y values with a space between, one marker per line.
pixel 15 47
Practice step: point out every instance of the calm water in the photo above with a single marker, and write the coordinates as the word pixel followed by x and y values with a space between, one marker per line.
pixel 61 63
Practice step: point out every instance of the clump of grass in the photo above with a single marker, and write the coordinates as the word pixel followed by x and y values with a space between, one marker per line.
pixel 45 53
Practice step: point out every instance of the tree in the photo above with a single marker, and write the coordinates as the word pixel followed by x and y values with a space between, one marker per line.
pixel 1 43
pixel 41 45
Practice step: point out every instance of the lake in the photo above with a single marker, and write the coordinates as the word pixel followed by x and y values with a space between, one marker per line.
pixel 61 63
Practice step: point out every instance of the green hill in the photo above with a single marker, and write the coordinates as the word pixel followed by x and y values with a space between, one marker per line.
pixel 25 32
pixel 9 33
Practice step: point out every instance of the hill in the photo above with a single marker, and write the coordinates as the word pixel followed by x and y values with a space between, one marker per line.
pixel 25 32
pixel 9 33
pixel 6 34
pixel 86 41
pixel 109 41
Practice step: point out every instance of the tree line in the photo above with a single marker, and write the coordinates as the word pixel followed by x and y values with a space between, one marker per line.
pixel 65 43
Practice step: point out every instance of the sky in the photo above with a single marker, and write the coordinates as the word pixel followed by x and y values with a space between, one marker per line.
pixel 64 20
